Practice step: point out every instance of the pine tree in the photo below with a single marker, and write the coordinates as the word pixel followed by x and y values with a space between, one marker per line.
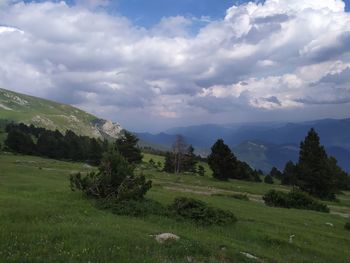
pixel 190 160
pixel 95 152
pixel 127 146
pixel 20 142
pixel 268 179
pixel 222 161
pixel 169 163
pixel 290 174
pixel 314 175
pixel 275 173
pixel 340 177
pixel 201 170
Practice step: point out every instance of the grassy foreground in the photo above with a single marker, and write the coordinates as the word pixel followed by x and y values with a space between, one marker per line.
pixel 41 220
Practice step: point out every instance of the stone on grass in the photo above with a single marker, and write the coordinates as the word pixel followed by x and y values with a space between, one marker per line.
pixel 291 238
pixel 248 255
pixel 161 238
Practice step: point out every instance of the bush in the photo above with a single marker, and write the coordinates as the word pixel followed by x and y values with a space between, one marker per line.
pixel 347 226
pixel 115 180
pixel 268 179
pixel 133 188
pixel 294 199
pixel 200 212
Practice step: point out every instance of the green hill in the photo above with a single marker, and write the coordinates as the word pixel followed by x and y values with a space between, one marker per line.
pixel 52 115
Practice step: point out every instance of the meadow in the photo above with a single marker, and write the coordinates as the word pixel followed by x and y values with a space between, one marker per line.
pixel 42 220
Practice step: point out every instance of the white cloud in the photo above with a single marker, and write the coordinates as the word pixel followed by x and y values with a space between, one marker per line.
pixel 274 56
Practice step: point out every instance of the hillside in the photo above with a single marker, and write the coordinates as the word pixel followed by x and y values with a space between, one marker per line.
pixel 44 221
pixel 52 115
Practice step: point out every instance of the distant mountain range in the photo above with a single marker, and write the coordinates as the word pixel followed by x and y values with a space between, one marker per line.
pixel 52 115
pixel 264 145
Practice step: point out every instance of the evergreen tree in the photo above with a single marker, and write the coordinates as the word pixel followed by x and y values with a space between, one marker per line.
pixel 20 142
pixel 268 179
pixel 314 174
pixel 169 163
pixel 222 161
pixel 244 172
pixel 127 146
pixel 95 152
pixel 200 170
pixel 341 178
pixel 73 146
pixel 275 173
pixel 190 160
pixel 50 145
pixel 290 174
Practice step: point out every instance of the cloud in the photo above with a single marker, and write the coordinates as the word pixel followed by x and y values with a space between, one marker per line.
pixel 275 56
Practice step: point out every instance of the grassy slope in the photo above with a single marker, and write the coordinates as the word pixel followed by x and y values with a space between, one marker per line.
pixel 56 115
pixel 41 220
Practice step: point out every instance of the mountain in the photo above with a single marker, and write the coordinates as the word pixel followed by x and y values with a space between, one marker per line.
pixel 264 156
pixel 52 115
pixel 264 144
pixel 332 132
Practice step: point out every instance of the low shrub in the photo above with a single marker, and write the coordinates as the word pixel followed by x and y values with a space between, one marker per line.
pixel 294 199
pixel 199 212
pixel 133 188
pixel 347 226
pixel 114 180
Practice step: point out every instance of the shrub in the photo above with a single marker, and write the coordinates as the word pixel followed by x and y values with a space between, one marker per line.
pixel 200 212
pixel 115 180
pixel 276 198
pixel 133 188
pixel 347 226
pixel 268 179
pixel 294 199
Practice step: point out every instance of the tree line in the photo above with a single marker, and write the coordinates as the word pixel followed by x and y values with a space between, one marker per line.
pixel 315 172
pixel 32 140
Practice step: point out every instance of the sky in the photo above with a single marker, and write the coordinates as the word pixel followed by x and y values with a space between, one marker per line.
pixel 155 64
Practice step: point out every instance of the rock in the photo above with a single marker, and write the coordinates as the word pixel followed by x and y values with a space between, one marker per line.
pixel 190 259
pixel 112 129
pixel 161 238
pixel 291 238
pixel 249 255
pixel 329 224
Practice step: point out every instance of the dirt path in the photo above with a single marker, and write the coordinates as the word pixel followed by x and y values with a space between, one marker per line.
pixel 208 191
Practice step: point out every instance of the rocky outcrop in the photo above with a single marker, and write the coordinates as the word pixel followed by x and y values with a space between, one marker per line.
pixel 108 128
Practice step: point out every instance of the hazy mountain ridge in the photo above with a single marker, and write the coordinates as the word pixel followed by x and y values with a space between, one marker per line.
pixel 264 145
pixel 52 115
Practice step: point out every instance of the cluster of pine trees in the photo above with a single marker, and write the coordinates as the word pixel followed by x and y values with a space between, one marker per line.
pixel 315 172
pixel 53 144
pixel 226 166
pixel 32 140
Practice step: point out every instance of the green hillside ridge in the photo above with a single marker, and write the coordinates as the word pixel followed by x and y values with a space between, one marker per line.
pixel 52 115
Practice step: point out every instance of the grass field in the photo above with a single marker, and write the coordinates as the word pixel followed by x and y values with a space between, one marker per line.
pixel 42 220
